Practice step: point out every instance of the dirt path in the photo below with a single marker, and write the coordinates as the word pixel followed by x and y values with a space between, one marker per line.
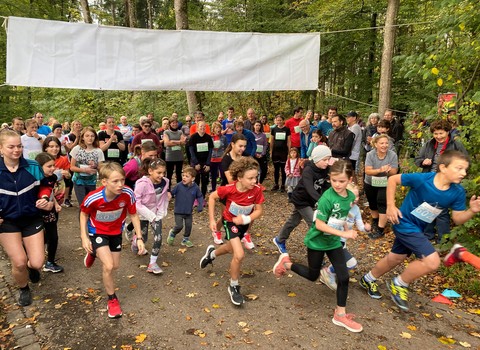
pixel 187 307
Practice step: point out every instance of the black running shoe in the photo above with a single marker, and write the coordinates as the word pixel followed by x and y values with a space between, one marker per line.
pixel 371 288
pixel 235 296
pixel 206 259
pixel 34 275
pixel 25 297
pixel 399 294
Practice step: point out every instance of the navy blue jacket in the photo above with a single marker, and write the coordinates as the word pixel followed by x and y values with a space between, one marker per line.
pixel 19 190
pixel 185 197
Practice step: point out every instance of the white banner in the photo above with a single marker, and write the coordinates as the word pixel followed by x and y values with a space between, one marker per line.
pixel 87 56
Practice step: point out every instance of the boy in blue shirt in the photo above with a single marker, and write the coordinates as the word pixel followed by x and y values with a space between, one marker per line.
pixel 185 193
pixel 429 194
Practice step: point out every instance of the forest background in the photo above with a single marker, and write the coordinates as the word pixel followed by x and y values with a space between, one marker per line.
pixel 436 50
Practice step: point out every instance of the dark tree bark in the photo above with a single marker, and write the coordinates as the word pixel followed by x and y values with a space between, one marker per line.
pixel 387 55
pixel 87 17
pixel 181 22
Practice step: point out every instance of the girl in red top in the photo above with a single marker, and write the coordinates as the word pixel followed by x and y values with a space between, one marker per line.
pixel 52 146
pixel 244 200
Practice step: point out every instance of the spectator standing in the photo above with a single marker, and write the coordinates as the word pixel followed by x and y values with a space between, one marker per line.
pixel 340 140
pixel 294 125
pixel 111 142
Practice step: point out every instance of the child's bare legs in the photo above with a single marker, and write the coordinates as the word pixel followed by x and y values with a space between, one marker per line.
pixel 387 263
pixel 420 267
pixel 110 262
pixel 238 255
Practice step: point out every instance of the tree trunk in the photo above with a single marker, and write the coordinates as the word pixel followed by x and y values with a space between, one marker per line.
pixel 181 22
pixel 371 56
pixel 132 16
pixel 387 55
pixel 87 18
pixel 149 9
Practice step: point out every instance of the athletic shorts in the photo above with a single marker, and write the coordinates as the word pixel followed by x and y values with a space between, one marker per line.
pixel 232 230
pixel 114 242
pixel 413 242
pixel 27 226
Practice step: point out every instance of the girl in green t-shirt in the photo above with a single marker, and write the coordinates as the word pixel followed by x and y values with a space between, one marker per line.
pixel 324 237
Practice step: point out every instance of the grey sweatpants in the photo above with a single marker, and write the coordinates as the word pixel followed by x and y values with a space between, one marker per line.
pixel 294 220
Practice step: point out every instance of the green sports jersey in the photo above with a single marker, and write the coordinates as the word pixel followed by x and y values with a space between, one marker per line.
pixel 332 209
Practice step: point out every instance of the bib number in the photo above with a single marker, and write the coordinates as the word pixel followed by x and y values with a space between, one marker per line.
pixel 217 144
pixel 426 212
pixel 113 153
pixel 176 148
pixel 281 136
pixel 379 181
pixel 259 148
pixel 297 129
pixel 202 147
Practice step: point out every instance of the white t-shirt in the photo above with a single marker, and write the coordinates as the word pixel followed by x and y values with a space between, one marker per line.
pixel 31 146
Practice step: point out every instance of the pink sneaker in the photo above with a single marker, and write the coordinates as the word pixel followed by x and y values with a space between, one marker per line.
pixel 279 268
pixel 247 241
pixel 453 256
pixel 89 260
pixel 114 309
pixel 217 237
pixel 346 320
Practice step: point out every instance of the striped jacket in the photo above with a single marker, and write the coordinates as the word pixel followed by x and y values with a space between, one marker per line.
pixel 19 191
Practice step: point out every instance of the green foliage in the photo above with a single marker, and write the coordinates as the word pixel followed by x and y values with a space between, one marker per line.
pixel 464 278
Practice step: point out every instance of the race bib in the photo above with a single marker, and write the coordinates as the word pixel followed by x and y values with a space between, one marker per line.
pixel 113 153
pixel 238 210
pixel 259 148
pixel 281 136
pixel 202 147
pixel 83 166
pixel 426 212
pixel 336 224
pixel 33 154
pixel 108 216
pixel 176 148
pixel 267 135
pixel 379 181
pixel 297 129
pixel 145 140
pixel 217 144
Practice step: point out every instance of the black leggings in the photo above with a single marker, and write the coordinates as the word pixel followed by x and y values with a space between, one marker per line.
pixel 51 238
pixel 262 161
pixel 279 168
pixel 377 198
pixel 177 167
pixel 315 261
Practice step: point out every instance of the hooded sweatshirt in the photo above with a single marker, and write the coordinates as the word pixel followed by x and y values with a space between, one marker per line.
pixel 312 184
pixel 148 206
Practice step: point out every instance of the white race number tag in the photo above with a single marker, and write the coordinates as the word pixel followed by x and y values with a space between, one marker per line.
pixel 426 212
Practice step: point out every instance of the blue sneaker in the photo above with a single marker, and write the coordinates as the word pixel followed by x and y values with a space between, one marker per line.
pixel 399 294
pixel 282 248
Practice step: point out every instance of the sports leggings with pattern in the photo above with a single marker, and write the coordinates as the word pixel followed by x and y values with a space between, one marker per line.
pixel 315 261
pixel 157 234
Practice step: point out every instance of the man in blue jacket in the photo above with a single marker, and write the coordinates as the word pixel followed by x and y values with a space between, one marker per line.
pixel 251 143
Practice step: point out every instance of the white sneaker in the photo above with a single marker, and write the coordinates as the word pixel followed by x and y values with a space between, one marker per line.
pixel 328 278
pixel 247 241
pixel 217 237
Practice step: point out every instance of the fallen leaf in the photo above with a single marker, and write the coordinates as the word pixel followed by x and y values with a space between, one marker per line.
pixel 242 324
pixel 155 300
pixel 213 274
pixel 189 318
pixel 446 341
pixel 474 311
pixel 133 286
pixel 292 294
pixel 165 264
pixel 381 347
pixel 47 300
pixel 464 344
pixel 191 295
pixel 438 315
pixel 216 306
pixel 229 336
pixel 207 310
pixel 475 334
pixel 214 284
pixel 199 333
pixel 182 250
pixel 140 338
pixel 252 296
pixel 406 335
pixel 130 276
pixel 426 315
pixel 248 341
pixel 412 328
pixel 268 332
